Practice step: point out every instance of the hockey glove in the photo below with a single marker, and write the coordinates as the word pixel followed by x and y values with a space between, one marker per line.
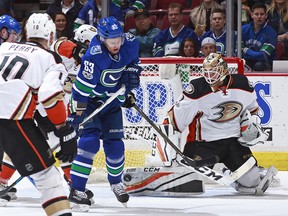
pixel 78 51
pixel 131 77
pixel 68 142
pixel 129 101
pixel 74 121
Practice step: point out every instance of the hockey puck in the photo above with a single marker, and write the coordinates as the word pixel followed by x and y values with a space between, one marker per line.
pixel 127 177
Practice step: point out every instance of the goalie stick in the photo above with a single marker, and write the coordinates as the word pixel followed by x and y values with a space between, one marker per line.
pixel 200 167
pixel 95 112
pixel 7 189
pixel 189 161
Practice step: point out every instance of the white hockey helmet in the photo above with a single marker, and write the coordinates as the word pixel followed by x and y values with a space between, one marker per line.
pixel 85 33
pixel 214 69
pixel 40 25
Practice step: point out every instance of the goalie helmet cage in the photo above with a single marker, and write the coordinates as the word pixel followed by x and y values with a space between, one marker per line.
pixel 155 96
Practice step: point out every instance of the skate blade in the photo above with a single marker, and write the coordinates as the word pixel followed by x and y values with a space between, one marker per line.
pixel 124 204
pixel 79 207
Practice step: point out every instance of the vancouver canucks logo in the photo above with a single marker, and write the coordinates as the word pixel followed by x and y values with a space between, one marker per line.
pixel 114 27
pixel 226 111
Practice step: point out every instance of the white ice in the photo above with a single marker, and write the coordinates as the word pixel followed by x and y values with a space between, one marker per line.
pixel 217 201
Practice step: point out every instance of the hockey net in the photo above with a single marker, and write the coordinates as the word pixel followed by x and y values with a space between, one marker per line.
pixel 155 96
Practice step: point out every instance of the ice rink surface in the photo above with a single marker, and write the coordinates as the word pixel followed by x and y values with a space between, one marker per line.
pixel 216 201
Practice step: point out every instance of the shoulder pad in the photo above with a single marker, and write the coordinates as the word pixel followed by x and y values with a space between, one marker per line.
pixel 241 82
pixel 197 88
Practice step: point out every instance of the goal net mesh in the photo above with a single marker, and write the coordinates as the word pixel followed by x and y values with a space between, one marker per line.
pixel 155 96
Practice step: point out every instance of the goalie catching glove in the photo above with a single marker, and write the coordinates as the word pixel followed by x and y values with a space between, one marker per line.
pixel 68 142
pixel 251 132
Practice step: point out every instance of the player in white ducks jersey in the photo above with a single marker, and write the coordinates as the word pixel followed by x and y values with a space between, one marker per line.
pixel 30 74
pixel 217 108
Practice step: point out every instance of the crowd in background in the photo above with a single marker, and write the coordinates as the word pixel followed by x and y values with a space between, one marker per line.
pixel 189 28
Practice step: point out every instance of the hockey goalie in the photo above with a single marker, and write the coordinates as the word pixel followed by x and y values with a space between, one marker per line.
pixel 220 110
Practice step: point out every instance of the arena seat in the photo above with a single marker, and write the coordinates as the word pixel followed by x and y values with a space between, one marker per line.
pixel 279 50
pixel 195 3
pixel 163 4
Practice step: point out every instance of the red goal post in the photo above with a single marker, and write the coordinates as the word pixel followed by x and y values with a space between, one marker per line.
pixel 155 96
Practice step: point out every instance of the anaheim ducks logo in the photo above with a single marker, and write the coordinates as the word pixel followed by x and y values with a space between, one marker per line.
pixel 227 111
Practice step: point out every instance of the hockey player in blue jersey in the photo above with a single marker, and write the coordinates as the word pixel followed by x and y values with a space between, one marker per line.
pixel 111 61
pixel 9 29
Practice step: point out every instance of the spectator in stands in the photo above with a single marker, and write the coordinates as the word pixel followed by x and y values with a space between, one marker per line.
pixel 278 20
pixel 218 30
pixel 124 8
pixel 168 41
pixel 69 7
pixel 200 16
pixel 88 14
pixel 62 29
pixel 145 32
pixel 188 48
pixel 259 40
pixel 208 45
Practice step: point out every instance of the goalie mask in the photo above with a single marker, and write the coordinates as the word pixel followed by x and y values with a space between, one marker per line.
pixel 214 69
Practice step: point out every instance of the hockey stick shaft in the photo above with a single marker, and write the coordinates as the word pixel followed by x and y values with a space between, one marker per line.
pixel 106 103
pixel 189 161
pixel 200 167
pixel 7 189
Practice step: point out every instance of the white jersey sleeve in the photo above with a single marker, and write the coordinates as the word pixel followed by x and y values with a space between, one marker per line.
pixel 40 69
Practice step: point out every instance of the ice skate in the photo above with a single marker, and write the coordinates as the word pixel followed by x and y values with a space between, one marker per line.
pixel 90 195
pixel 4 200
pixel 262 186
pixel 79 201
pixel 266 181
pixel 11 193
pixel 120 193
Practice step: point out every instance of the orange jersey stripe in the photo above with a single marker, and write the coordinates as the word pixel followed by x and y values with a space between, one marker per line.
pixel 31 144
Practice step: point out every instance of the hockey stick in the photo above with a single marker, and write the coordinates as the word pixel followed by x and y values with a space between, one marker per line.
pixel 7 189
pixel 200 167
pixel 189 161
pixel 95 112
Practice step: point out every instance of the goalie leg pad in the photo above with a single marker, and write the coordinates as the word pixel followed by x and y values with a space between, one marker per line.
pixel 263 184
pixel 164 150
pixel 250 178
pixel 162 181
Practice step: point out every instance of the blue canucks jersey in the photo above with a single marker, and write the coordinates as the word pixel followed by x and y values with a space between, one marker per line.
pixel 261 45
pixel 89 13
pixel 167 44
pixel 100 72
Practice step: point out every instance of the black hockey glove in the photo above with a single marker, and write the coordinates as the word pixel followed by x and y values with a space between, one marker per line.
pixel 131 77
pixel 78 51
pixel 129 101
pixel 68 142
